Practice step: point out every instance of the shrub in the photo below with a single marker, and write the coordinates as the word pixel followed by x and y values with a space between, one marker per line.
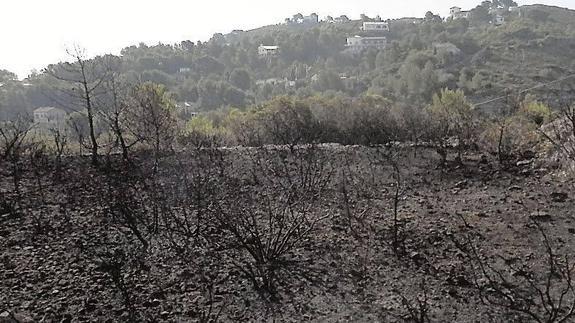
pixel 288 121
pixel 451 115
pixel 510 137
pixel 201 133
pixel 535 111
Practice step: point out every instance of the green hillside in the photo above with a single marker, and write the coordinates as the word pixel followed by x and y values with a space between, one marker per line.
pixel 535 44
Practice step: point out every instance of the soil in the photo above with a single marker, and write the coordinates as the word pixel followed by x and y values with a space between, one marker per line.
pixel 58 239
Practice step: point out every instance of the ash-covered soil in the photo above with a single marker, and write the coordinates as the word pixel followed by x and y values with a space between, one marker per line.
pixel 125 242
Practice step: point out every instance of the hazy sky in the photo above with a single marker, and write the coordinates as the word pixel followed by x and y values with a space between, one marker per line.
pixel 34 33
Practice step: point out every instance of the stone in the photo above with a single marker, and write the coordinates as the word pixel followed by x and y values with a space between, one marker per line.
pixel 482 215
pixel 540 215
pixel 559 197
pixel 524 162
pixel 461 184
pixel 153 303
pixel 5 317
pixel 20 318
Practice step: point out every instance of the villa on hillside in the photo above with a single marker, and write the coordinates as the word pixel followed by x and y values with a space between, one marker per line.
pixel 357 44
pixel 303 20
pixel 187 110
pixel 49 117
pixel 457 13
pixel 408 20
pixel 311 19
pixel 341 19
pixel 498 13
pixel 498 20
pixel 276 82
pixel 268 51
pixel 375 26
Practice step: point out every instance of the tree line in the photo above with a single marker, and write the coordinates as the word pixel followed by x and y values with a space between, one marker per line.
pixel 420 59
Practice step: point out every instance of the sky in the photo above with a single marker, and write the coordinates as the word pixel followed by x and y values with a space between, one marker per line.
pixel 35 33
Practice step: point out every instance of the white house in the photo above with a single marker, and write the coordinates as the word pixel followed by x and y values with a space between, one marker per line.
pixel 306 20
pixel 311 19
pixel 270 81
pixel 187 110
pixel 409 20
pixel 457 13
pixel 341 19
pixel 268 51
pixel 359 43
pixel 49 116
pixel 375 26
pixel 498 20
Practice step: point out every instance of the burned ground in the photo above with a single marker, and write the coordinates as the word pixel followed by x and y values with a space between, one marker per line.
pixel 306 233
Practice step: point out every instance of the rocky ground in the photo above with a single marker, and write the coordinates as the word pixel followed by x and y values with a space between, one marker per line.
pixel 65 258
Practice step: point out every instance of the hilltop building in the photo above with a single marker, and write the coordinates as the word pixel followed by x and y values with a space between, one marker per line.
pixel 357 44
pixel 268 51
pixel 187 110
pixel 457 13
pixel 408 20
pixel 341 19
pixel 276 82
pixel 303 20
pixel 49 117
pixel 498 20
pixel 498 14
pixel 311 19
pixel 379 26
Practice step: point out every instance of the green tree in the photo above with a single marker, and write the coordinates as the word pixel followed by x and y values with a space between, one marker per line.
pixel 241 78
pixel 289 121
pixel 451 116
pixel 535 111
pixel 507 3
pixel 6 76
pixel 480 15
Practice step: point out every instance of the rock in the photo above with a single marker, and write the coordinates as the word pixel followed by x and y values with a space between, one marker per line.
pixel 482 215
pixel 158 295
pixel 417 257
pixel 6 317
pixel 461 184
pixel 153 303
pixel 524 162
pixel 540 216
pixel 459 280
pixel 559 197
pixel 15 318
pixel 526 172
pixel 571 230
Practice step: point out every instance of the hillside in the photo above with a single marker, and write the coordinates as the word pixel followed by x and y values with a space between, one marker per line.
pixel 303 172
pixel 72 254
pixel 534 45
